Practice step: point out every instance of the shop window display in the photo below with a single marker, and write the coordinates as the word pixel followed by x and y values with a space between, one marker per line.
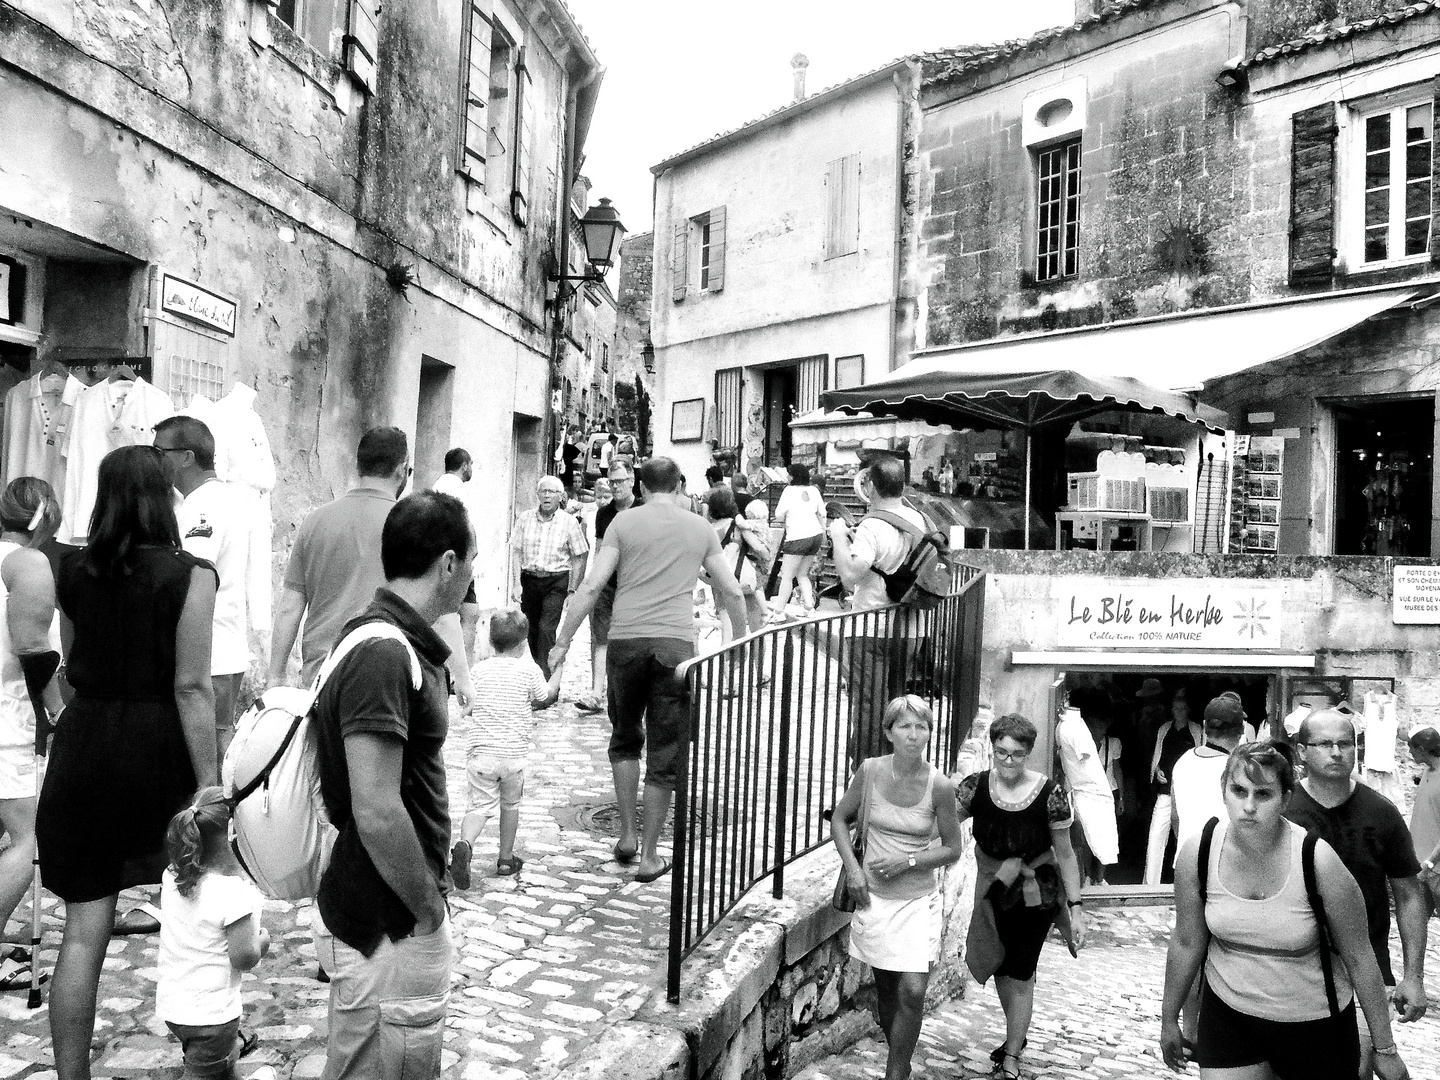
pixel 1128 715
pixel 1383 477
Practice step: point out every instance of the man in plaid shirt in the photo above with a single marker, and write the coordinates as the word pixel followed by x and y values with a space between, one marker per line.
pixel 549 551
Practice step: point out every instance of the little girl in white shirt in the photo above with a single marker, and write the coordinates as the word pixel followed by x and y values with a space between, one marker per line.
pixel 210 933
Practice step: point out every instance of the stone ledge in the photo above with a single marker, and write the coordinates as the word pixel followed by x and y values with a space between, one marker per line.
pixel 634 1050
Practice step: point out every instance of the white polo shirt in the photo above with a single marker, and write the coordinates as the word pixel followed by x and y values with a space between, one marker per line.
pixel 213 527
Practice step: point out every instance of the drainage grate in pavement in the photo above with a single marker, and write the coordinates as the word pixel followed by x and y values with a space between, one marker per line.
pixel 603 819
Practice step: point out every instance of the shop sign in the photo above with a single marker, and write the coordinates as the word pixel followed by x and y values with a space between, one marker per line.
pixel 1194 614
pixel 1415 594
pixel 181 297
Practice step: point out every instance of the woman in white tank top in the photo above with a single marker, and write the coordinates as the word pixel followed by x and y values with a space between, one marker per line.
pixel 29 516
pixel 1266 1011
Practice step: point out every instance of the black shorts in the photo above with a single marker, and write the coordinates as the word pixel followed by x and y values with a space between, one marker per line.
pixel 1326 1049
pixel 649 707
pixel 601 614
pixel 809 546
pixel 1022 931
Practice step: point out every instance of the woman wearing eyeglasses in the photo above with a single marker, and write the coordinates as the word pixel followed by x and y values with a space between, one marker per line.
pixel 1276 1003
pixel 1027 877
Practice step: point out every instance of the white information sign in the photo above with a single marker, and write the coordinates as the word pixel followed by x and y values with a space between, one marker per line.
pixel 181 297
pixel 1415 594
pixel 1200 613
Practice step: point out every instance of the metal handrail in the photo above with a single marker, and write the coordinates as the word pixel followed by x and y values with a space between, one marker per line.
pixel 779 719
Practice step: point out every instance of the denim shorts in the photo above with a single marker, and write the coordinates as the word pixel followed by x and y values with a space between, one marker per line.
pixel 210 1049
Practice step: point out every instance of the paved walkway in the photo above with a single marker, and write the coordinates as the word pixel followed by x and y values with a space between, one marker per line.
pixel 1096 1018
pixel 546 961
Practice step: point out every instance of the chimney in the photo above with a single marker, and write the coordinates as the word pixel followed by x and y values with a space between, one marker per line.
pixel 1084 9
pixel 798 63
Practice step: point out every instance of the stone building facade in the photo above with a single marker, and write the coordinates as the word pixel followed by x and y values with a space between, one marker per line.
pixel 1178 159
pixel 375 196
pixel 776 269
pixel 634 372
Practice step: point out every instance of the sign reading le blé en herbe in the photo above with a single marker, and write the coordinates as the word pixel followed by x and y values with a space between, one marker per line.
pixel 1194 614
pixel 1415 594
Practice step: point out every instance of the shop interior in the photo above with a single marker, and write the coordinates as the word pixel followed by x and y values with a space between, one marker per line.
pixel 1129 711
pixel 1384 464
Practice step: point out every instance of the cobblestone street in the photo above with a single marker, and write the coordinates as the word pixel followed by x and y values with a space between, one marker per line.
pixel 1096 1018
pixel 546 960
pixel 549 960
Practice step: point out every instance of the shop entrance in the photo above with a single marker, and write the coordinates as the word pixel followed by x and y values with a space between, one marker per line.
pixel 1384 464
pixel 780 397
pixel 1128 714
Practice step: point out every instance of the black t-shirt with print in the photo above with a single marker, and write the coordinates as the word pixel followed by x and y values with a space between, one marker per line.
pixel 1371 838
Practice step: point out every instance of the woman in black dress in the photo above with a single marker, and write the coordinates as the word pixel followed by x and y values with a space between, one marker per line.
pixel 139 736
pixel 1027 878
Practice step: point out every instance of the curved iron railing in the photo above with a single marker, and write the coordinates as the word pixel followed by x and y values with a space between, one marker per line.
pixel 779 719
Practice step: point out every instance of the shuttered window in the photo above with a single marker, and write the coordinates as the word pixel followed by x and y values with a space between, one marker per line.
pixel 842 207
pixel 475 90
pixel 729 402
pixel 1312 195
pixel 813 379
pixel 1399 165
pixel 362 41
pixel 698 254
pixel 523 128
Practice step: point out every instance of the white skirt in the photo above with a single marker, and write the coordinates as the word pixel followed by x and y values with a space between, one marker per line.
pixel 897 935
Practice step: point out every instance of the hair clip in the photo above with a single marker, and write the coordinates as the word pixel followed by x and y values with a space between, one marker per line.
pixel 39 516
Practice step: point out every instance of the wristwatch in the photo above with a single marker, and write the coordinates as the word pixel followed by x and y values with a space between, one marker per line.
pixel 911 861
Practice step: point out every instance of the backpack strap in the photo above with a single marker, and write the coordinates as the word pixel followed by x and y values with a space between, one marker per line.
pixel 907 529
pixel 372 631
pixel 1207 836
pixel 1322 923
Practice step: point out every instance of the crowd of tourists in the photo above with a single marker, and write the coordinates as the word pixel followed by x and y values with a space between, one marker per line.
pixel 124 653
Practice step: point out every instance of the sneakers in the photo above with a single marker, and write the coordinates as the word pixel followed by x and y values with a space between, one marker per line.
pixel 590 703
pixel 460 864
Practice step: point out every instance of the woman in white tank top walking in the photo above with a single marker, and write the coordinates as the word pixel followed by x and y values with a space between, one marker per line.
pixel 1269 1008
pixel 29 516
pixel 911 829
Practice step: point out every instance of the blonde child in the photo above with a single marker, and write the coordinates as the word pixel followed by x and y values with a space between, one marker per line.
pixel 210 933
pixel 509 687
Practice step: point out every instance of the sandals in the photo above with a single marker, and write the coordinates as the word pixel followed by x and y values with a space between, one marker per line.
pixel 248 1040
pixel 508 867
pixel 1009 1074
pixel 15 975
pixel 460 865
pixel 998 1054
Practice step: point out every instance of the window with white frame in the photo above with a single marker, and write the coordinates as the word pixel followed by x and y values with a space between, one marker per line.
pixel 1397 147
pixel 1057 217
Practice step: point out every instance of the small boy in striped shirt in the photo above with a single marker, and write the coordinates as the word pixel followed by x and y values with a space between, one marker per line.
pixel 499 734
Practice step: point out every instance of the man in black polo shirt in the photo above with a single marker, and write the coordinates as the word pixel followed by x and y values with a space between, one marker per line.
pixel 1371 838
pixel 386 939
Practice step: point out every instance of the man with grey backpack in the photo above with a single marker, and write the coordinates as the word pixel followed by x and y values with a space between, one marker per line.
pixel 385 938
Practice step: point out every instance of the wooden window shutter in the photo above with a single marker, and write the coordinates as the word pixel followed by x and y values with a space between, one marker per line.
pixel 717 249
pixel 813 379
pixel 524 132
pixel 362 42
pixel 842 206
pixel 1312 195
pixel 680 261
pixel 1435 175
pixel 474 90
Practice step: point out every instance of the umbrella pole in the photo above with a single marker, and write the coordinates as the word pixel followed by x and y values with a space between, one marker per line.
pixel 1027 489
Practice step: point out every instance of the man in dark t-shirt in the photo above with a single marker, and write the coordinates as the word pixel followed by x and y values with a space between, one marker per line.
pixel 381 720
pixel 1370 836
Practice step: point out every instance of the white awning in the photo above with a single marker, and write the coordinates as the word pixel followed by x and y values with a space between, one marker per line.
pixel 1179 351
pixel 824 427
pixel 1188 661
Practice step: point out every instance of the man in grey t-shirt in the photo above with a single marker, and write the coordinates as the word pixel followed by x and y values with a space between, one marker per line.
pixel 656 552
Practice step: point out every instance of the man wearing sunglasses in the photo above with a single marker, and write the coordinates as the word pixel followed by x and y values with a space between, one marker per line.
pixel 1372 840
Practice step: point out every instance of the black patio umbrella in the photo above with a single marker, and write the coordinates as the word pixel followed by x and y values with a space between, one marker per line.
pixel 938 392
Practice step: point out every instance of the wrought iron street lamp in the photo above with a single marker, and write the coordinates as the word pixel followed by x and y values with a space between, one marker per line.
pixel 647 354
pixel 603 233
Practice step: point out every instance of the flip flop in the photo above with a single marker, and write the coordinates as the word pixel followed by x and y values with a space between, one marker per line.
pixel 664 869
pixel 14 951
pixel 144 919
pixel 15 975
pixel 248 1041
pixel 623 857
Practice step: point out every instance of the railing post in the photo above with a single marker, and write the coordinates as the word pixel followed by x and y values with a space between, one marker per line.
pixel 680 849
pixel 782 803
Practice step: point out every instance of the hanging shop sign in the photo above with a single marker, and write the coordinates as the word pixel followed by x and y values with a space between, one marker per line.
pixel 1194 614
pixel 1415 594
pixel 181 297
